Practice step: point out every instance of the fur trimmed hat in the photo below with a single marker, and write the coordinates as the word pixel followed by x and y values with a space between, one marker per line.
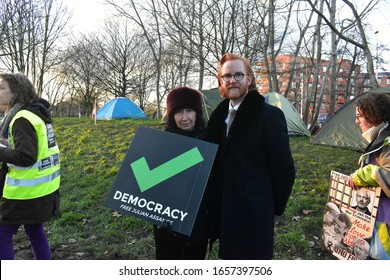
pixel 184 97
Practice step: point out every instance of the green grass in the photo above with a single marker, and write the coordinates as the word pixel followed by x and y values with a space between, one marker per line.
pixel 91 156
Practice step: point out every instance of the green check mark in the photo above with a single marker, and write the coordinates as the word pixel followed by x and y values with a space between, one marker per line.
pixel 147 178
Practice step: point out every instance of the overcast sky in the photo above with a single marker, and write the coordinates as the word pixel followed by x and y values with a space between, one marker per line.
pixel 88 15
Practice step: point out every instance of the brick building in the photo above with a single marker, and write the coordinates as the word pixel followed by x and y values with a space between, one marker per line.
pixel 383 79
pixel 302 82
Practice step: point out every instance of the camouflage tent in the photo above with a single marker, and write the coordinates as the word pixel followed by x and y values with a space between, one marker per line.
pixel 340 129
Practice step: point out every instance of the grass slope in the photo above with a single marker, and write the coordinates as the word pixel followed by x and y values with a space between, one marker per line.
pixel 91 156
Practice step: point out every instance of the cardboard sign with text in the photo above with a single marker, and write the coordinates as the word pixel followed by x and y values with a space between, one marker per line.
pixel 349 218
pixel 163 177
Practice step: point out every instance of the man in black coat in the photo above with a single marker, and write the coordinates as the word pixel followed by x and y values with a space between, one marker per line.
pixel 254 171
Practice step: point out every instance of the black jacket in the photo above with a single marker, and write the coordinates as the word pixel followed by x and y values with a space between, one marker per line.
pixel 25 153
pixel 254 173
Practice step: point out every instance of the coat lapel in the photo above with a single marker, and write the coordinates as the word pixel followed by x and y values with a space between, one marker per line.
pixel 248 112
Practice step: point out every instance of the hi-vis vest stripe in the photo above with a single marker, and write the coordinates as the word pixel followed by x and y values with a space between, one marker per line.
pixel 41 178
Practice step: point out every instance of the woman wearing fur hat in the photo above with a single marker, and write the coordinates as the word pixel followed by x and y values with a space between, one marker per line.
pixel 29 187
pixel 184 116
pixel 184 112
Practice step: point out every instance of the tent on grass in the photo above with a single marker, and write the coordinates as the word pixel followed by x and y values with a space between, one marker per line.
pixel 120 108
pixel 295 125
pixel 211 99
pixel 340 129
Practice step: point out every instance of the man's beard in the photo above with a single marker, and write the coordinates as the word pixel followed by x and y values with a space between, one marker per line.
pixel 224 90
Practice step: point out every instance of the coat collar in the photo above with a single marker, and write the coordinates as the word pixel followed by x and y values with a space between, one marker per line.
pixel 249 110
pixel 379 139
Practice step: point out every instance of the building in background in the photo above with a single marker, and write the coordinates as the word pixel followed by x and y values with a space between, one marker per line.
pixel 303 83
pixel 383 79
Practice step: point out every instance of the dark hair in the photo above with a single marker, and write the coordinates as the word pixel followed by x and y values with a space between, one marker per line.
pixel 374 107
pixel 248 68
pixel 22 88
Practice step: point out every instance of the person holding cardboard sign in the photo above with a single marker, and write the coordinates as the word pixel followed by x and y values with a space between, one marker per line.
pixel 184 116
pixel 373 117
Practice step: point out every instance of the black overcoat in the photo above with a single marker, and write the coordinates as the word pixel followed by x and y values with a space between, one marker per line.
pixel 254 172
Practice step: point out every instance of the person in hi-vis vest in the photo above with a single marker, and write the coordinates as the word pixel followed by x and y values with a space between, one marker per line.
pixel 30 173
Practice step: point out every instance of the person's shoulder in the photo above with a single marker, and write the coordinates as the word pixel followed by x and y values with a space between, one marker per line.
pixel 224 104
pixel 255 96
pixel 271 109
pixel 220 110
pixel 22 125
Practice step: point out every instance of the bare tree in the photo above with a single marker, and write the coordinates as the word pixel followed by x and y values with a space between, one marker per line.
pixel 68 84
pixel 30 35
pixel 118 48
pixel 147 16
pixel 224 23
pixel 183 33
pixel 274 42
pixel 52 24
pixel 208 29
pixel 333 58
pixel 317 56
pixel 252 16
pixel 303 29
pixel 142 92
pixel 145 76
pixel 55 91
pixel 83 66
pixel 6 15
pixel 358 21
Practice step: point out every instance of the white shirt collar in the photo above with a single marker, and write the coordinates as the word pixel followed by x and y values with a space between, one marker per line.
pixel 235 107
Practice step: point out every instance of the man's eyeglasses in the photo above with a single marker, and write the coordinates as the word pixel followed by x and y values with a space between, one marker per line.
pixel 237 76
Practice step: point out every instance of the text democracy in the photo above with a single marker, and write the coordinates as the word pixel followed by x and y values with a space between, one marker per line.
pixel 150 205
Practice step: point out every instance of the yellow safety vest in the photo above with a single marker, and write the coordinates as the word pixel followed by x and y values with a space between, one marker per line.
pixel 41 178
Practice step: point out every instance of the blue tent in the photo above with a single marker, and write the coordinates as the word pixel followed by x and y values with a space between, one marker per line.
pixel 120 108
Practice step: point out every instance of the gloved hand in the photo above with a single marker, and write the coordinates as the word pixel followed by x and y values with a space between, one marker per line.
pixel 165 225
pixel 351 184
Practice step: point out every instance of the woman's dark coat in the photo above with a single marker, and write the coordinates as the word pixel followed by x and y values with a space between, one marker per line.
pixel 255 173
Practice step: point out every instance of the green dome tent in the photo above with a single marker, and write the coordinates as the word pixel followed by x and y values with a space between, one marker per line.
pixel 340 129
pixel 211 99
pixel 295 124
